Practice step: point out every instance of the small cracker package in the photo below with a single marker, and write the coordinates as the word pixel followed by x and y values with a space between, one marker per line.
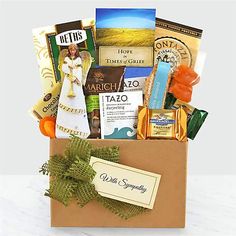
pixel 176 44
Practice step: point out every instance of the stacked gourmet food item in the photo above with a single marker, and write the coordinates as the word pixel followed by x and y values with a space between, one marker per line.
pixel 125 75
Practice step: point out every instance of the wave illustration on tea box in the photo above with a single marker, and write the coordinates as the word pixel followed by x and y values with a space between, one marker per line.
pixel 123 133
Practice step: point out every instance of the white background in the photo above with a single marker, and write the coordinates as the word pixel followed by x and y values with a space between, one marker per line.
pixel 24 211
pixel 23 149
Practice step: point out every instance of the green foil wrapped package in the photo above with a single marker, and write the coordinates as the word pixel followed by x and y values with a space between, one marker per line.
pixel 92 104
pixel 195 117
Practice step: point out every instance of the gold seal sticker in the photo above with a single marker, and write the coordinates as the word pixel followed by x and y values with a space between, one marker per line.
pixel 173 51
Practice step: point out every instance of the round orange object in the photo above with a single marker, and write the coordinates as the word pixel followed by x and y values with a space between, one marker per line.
pixel 47 126
pixel 185 75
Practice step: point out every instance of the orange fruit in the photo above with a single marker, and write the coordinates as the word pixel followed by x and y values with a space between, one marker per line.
pixel 47 126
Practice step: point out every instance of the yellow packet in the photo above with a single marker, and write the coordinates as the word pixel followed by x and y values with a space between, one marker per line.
pixel 176 43
pixel 48 104
pixel 162 124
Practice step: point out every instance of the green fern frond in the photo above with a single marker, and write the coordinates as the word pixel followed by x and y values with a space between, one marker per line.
pixel 107 153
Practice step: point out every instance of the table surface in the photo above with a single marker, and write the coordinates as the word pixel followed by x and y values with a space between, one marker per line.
pixel 24 211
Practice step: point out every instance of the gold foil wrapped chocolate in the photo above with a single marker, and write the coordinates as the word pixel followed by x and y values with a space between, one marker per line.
pixel 162 124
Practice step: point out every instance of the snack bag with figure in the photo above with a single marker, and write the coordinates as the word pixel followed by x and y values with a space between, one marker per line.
pixel 51 43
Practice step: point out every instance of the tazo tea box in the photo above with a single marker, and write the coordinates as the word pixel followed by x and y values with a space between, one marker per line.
pixel 176 44
pixel 51 47
pixel 135 78
pixel 118 112
pixel 125 36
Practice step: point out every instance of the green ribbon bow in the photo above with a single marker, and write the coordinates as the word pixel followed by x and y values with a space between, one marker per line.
pixel 71 177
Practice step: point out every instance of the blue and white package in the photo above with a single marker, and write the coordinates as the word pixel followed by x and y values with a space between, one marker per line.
pixel 119 114
pixel 134 78
pixel 159 86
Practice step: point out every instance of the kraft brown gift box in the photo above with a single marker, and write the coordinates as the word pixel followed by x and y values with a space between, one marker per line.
pixel 165 157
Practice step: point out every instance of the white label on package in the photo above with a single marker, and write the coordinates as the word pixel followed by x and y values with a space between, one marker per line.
pixel 119 113
pixel 134 84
